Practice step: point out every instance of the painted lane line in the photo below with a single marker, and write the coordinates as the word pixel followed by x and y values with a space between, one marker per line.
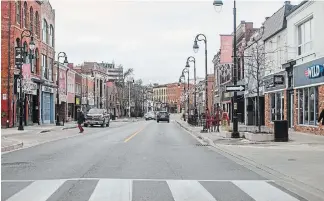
pixel 262 191
pixel 112 189
pixel 189 191
pixel 38 190
pixel 133 135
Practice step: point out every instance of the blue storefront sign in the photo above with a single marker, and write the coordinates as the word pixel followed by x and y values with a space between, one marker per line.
pixel 310 73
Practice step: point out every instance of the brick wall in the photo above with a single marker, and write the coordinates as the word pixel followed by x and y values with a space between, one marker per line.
pixel 317 130
pixel 267 110
pixel 8 8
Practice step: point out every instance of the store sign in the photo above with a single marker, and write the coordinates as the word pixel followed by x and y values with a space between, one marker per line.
pixel 47 89
pixel 77 101
pixel 314 71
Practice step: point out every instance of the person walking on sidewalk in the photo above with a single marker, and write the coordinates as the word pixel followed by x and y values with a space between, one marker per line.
pixel 217 119
pixel 80 120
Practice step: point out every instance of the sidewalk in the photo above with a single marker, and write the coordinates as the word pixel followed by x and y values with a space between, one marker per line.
pixel 300 159
pixel 12 138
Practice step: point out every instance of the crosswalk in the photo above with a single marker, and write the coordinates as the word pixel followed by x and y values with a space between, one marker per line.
pixel 94 189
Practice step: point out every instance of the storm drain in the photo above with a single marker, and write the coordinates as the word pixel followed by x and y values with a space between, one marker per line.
pixel 202 145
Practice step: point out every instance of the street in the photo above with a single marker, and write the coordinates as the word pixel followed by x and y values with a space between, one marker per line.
pixel 143 160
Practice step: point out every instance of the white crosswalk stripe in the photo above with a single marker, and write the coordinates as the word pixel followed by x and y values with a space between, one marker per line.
pixel 189 191
pixel 112 189
pixel 263 191
pixel 38 190
pixel 122 190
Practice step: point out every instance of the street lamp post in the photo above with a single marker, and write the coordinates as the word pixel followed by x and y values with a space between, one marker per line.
pixel 202 37
pixel 28 34
pixel 59 55
pixel 186 70
pixel 192 59
pixel 235 133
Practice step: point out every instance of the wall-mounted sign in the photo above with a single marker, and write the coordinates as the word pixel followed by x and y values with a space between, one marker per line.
pixel 18 57
pixel 278 79
pixel 314 71
pixel 77 101
pixel 47 89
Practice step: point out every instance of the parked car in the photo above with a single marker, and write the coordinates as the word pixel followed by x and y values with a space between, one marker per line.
pixel 150 116
pixel 163 116
pixel 97 116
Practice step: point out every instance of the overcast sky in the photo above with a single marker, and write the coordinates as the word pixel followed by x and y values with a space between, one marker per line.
pixel 152 37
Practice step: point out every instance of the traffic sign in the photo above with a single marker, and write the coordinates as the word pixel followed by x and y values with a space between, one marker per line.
pixel 235 88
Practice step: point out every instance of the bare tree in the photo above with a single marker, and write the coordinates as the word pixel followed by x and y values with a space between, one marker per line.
pixel 257 64
pixel 121 86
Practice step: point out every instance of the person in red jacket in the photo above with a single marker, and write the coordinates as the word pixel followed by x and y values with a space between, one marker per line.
pixel 217 119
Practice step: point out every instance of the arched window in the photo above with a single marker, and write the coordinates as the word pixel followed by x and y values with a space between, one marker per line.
pixel 51 36
pixel 37 24
pixel 45 31
pixel 31 19
pixel 25 52
pixel 25 15
pixel 18 12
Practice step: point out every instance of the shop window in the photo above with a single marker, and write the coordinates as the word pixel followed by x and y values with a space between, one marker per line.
pixel 307 105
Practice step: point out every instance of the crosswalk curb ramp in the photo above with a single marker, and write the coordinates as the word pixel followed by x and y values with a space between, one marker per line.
pixel 126 190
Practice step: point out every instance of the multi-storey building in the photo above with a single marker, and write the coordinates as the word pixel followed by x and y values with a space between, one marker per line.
pixel 276 60
pixel 17 16
pixel 159 95
pixel 47 57
pixel 305 68
pixel 174 91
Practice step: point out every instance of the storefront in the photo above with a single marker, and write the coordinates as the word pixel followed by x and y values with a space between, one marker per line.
pixel 275 97
pixel 77 106
pixel 47 105
pixel 31 102
pixel 309 93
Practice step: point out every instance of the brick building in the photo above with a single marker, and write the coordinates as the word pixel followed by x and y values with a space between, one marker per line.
pixel 174 97
pixel 16 17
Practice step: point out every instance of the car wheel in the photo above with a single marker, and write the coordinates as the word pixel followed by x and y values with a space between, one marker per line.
pixel 108 124
pixel 168 121
pixel 158 121
pixel 85 125
pixel 103 124
pixel 91 125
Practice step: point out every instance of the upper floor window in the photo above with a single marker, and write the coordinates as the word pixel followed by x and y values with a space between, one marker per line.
pixel 31 19
pixel 45 31
pixel 44 66
pixel 25 15
pixel 305 37
pixel 37 23
pixel 51 36
pixel 18 12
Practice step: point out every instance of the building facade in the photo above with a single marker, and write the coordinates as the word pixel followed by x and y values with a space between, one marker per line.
pixel 159 96
pixel 47 57
pixel 304 33
pixel 15 18
pixel 174 91
pixel 71 94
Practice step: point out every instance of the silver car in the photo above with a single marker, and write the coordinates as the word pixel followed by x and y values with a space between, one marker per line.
pixel 150 116
pixel 97 117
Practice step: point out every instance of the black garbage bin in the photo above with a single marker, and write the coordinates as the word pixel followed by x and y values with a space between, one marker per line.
pixel 281 130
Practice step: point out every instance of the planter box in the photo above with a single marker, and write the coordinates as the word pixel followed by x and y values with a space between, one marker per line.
pixel 259 137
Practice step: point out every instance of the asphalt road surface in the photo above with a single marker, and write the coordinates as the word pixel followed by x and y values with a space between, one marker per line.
pixel 137 161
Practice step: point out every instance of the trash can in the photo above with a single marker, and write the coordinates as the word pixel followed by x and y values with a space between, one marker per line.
pixel 281 131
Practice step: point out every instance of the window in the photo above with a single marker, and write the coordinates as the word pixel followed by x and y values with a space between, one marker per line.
pixel 18 12
pixel 37 24
pixel 50 69
pixel 45 31
pixel 44 66
pixel 31 20
pixel 51 36
pixel 277 104
pixel 307 105
pixel 25 15
pixel 305 37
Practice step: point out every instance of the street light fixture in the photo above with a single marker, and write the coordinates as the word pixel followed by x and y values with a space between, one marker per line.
pixel 59 55
pixel 28 34
pixel 186 70
pixel 192 59
pixel 235 133
pixel 202 37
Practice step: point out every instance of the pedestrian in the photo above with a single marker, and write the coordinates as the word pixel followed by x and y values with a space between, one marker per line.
pixel 217 119
pixel 208 120
pixel 80 120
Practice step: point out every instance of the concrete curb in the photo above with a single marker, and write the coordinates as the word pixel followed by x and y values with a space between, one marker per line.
pixel 12 147
pixel 70 127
